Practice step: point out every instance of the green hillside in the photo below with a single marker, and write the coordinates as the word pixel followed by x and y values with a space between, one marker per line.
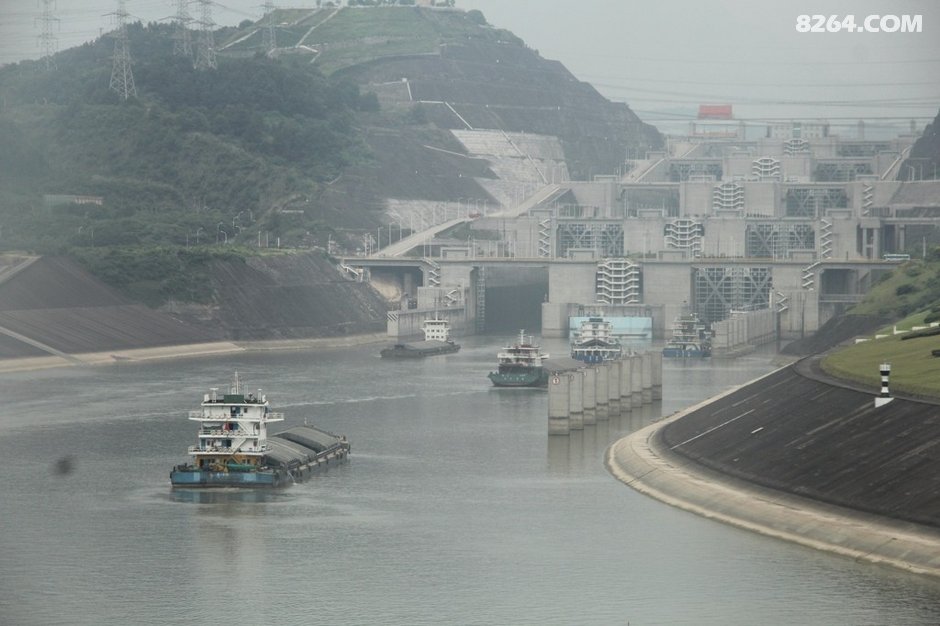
pixel 911 295
pixel 214 152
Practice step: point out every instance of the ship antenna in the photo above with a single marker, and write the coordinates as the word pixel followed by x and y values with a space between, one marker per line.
pixel 235 383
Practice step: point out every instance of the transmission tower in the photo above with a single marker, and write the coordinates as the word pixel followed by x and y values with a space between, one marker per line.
pixel 182 41
pixel 122 79
pixel 269 38
pixel 205 48
pixel 48 42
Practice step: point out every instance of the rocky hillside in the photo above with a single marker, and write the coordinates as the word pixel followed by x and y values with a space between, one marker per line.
pixel 458 94
pixel 924 160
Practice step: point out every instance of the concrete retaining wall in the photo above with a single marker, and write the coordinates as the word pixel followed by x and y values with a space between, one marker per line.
pixel 649 462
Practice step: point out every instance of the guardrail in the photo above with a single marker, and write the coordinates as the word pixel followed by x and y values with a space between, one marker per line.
pixel 224 417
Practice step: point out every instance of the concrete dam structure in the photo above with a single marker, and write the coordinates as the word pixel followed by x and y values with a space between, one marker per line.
pixel 804 458
pixel 800 223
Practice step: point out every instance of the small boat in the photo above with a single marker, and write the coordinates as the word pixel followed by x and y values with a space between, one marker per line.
pixel 233 448
pixel 595 342
pixel 436 341
pixel 521 365
pixel 690 338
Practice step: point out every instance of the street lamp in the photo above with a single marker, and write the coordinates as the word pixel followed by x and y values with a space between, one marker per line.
pixel 198 230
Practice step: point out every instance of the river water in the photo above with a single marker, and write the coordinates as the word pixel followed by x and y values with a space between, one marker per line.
pixel 455 508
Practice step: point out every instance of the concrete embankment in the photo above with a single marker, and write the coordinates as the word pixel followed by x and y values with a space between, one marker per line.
pixel 53 313
pixel 750 457
pixel 217 348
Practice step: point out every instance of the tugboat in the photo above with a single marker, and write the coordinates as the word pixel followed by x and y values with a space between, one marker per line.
pixel 595 343
pixel 436 341
pixel 233 448
pixel 521 365
pixel 690 338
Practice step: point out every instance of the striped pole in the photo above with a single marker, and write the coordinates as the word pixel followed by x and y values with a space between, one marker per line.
pixel 885 396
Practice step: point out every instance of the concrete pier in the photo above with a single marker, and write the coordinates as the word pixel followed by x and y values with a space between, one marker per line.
pixel 613 388
pixel 576 400
pixel 626 379
pixel 636 382
pixel 603 396
pixel 657 374
pixel 592 395
pixel 558 398
pixel 647 378
pixel 589 395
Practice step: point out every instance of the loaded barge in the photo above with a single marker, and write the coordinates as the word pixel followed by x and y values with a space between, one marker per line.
pixel 436 341
pixel 233 448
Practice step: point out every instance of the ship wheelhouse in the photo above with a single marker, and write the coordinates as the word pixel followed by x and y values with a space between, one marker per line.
pixel 233 430
pixel 436 329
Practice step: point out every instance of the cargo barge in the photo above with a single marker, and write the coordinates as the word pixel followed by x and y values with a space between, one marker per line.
pixel 233 448
pixel 436 341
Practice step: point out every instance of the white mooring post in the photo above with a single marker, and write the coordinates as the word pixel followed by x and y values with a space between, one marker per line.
pixel 885 396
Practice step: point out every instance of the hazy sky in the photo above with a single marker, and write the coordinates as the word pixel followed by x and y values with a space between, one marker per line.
pixel 661 57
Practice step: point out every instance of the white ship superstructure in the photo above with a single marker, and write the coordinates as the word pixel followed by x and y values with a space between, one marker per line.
pixel 233 429
pixel 595 343
pixel 436 329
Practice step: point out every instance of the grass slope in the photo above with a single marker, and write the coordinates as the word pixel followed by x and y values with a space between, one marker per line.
pixel 910 294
